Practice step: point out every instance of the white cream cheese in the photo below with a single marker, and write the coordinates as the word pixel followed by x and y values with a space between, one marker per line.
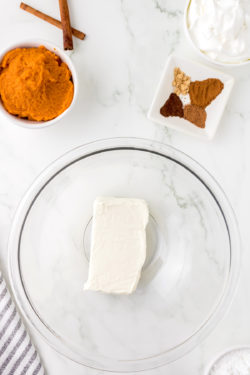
pixel 118 248
pixel 221 28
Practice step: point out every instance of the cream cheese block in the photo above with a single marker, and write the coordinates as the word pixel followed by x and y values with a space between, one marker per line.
pixel 118 246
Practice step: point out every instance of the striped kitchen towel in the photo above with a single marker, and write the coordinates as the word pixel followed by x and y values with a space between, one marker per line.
pixel 17 354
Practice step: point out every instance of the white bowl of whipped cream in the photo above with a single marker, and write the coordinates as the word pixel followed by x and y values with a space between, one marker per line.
pixel 220 30
pixel 234 360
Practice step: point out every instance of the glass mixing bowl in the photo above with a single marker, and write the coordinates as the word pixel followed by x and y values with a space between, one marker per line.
pixel 188 279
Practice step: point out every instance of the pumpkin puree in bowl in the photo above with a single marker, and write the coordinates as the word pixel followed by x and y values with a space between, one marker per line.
pixel 35 84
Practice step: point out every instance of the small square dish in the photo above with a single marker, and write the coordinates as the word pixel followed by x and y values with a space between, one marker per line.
pixel 196 72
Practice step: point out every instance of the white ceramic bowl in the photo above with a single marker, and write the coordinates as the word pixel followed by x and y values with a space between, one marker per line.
pixel 65 58
pixel 197 49
pixel 220 356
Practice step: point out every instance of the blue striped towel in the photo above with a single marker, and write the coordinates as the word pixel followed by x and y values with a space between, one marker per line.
pixel 17 354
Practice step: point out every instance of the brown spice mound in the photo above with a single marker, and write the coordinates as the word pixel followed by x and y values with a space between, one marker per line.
pixel 172 107
pixel 196 115
pixel 202 93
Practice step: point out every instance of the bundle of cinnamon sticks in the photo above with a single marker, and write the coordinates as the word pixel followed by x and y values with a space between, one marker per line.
pixel 64 24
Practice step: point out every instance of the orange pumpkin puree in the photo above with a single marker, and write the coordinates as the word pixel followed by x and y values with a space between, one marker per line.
pixel 35 84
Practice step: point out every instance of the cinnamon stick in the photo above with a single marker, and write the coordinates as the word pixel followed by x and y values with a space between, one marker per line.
pixel 65 19
pixel 53 21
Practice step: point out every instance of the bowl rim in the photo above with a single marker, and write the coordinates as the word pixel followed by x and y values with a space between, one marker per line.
pixel 202 54
pixel 27 43
pixel 115 144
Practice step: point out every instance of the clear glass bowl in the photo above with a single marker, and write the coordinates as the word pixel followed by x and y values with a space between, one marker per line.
pixel 192 264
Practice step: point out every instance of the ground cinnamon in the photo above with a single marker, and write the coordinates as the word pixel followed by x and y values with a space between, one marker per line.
pixel 202 93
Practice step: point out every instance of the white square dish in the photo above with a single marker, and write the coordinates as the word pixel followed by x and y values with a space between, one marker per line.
pixel 197 72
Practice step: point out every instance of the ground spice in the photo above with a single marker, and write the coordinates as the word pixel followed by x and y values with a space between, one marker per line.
pixel 196 115
pixel 181 82
pixel 202 93
pixel 172 107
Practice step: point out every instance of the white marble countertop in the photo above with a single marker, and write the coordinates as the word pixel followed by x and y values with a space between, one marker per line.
pixel 119 65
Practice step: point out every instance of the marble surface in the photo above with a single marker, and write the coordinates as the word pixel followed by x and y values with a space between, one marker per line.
pixel 119 66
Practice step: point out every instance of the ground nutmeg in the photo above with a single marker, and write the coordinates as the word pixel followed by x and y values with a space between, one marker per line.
pixel 196 115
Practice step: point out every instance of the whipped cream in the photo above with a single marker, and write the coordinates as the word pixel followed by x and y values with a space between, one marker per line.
pixel 118 248
pixel 236 362
pixel 221 28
